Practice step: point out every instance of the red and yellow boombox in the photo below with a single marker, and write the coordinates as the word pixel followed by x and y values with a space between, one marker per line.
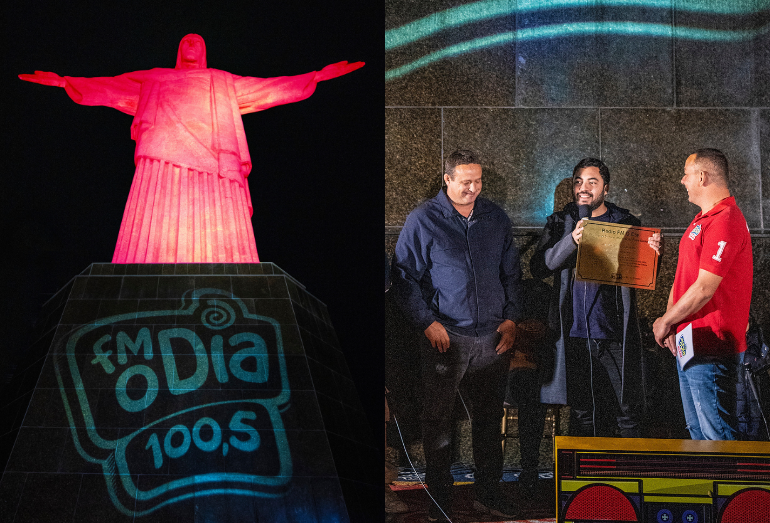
pixel 661 481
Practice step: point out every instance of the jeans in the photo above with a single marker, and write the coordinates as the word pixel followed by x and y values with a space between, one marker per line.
pixel 599 397
pixel 474 362
pixel 708 391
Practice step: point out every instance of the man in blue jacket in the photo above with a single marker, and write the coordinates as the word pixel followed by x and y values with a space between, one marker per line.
pixel 457 275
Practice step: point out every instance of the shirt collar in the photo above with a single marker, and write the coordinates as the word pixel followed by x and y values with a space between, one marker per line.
pixel 449 210
pixel 719 207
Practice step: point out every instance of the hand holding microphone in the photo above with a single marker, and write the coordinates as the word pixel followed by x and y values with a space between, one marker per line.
pixel 584 212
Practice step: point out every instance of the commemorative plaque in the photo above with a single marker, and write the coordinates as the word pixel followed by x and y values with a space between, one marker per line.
pixel 615 254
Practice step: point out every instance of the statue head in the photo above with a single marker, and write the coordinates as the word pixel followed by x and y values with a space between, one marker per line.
pixel 192 53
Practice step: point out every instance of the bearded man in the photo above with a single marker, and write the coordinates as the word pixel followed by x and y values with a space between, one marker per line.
pixel 597 365
pixel 189 200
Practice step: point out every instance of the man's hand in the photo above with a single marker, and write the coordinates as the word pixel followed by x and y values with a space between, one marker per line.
pixel 41 77
pixel 694 298
pixel 335 70
pixel 508 338
pixel 578 232
pixel 438 337
pixel 663 331
pixel 655 242
pixel 670 343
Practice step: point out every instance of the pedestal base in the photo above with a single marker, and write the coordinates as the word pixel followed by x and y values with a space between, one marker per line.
pixel 187 392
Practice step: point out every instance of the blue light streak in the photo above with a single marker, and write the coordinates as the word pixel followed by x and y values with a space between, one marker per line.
pixel 488 9
pixel 578 29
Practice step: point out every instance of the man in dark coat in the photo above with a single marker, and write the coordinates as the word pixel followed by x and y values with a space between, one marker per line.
pixel 596 367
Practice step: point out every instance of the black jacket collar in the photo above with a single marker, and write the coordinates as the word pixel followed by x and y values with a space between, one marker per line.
pixel 616 213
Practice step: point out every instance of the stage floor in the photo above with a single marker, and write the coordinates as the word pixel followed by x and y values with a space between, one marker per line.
pixel 538 507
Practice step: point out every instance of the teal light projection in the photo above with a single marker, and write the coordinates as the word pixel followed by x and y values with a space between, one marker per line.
pixel 196 393
pixel 491 9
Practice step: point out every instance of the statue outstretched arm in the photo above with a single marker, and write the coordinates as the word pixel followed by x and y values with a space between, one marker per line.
pixel 258 94
pixel 119 92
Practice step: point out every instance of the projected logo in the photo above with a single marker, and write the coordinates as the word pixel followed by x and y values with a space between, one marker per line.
pixel 183 403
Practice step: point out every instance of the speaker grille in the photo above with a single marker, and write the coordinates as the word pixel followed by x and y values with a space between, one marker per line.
pixel 747 506
pixel 673 466
pixel 601 502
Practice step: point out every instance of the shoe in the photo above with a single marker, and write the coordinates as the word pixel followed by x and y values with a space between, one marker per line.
pixel 393 505
pixel 497 505
pixel 528 479
pixel 435 514
pixel 438 519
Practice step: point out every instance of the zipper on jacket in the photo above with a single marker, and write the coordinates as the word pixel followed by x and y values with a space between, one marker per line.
pixel 473 271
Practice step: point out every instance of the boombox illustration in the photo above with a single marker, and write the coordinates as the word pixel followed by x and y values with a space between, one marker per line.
pixel 179 403
pixel 661 481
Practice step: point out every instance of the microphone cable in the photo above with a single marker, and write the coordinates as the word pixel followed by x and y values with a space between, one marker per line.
pixel 590 359
pixel 411 463
pixel 414 469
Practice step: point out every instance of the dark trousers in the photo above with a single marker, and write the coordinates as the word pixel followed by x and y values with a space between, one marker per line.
pixel 750 406
pixel 597 396
pixel 471 364
pixel 524 392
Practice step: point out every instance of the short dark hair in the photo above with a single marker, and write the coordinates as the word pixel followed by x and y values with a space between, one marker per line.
pixel 592 162
pixel 717 159
pixel 459 157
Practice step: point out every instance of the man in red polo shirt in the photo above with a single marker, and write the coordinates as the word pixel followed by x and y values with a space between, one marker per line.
pixel 711 291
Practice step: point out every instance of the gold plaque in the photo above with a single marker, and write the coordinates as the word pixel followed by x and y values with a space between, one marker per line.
pixel 615 254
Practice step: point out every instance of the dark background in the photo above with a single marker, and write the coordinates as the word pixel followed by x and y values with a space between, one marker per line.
pixel 316 182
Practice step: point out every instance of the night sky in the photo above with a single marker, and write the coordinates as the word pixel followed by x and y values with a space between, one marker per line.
pixel 316 182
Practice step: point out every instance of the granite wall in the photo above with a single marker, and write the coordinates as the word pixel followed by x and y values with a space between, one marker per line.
pixel 535 86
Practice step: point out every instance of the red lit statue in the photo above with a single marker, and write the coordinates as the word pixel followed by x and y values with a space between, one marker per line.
pixel 189 201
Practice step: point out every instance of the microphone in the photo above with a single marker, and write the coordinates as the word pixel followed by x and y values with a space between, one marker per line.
pixel 584 211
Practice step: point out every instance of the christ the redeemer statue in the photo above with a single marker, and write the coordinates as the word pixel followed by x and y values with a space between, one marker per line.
pixel 189 200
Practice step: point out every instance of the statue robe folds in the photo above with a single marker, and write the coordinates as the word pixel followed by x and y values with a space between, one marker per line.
pixel 189 200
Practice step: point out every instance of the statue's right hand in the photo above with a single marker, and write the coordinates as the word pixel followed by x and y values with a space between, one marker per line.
pixel 335 70
pixel 42 77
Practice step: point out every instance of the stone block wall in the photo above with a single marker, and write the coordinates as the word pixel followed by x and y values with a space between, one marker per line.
pixel 535 86
pixel 640 87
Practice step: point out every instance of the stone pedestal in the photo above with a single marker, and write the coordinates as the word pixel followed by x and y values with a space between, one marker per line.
pixel 186 392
